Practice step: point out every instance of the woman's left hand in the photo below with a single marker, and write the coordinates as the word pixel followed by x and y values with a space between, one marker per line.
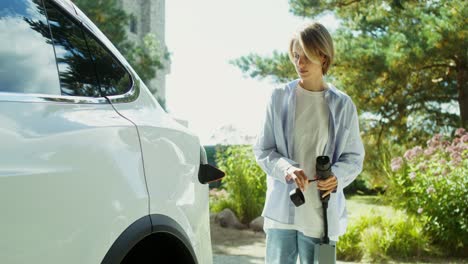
pixel 327 185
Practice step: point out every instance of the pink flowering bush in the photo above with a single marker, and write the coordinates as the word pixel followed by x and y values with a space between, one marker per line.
pixel 432 183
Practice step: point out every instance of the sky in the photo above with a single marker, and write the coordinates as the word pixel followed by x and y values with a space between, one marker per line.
pixel 202 37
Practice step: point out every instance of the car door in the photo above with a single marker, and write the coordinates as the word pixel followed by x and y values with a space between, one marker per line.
pixel 71 172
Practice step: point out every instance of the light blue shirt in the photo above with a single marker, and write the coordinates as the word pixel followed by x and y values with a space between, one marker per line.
pixel 274 147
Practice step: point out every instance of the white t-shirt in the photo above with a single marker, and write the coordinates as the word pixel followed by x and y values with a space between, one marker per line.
pixel 310 139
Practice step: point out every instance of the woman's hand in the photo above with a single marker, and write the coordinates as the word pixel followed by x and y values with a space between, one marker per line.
pixel 298 176
pixel 327 185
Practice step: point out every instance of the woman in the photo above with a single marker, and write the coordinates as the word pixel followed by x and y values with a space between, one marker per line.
pixel 304 119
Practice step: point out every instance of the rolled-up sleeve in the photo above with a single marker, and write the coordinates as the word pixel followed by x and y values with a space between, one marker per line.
pixel 350 161
pixel 265 149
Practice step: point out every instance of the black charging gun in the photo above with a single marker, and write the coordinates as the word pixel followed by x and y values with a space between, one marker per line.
pixel 324 252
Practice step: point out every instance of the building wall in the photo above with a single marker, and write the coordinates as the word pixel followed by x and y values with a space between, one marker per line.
pixel 149 17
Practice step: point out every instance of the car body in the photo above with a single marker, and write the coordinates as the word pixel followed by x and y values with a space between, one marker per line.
pixel 92 169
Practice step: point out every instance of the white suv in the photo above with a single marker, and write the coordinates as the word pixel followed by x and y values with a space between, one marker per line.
pixel 92 170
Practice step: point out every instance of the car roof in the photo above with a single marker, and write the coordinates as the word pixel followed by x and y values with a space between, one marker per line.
pixel 67 5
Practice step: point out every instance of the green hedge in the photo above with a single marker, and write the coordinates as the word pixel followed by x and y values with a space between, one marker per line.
pixel 245 182
pixel 377 237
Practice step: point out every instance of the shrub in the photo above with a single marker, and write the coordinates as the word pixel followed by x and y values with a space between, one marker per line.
pixel 211 157
pixel 348 245
pixel 219 200
pixel 245 182
pixel 431 183
pixel 378 153
pixel 358 186
pixel 376 237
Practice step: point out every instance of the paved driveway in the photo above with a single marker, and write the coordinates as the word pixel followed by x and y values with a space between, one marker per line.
pixel 232 259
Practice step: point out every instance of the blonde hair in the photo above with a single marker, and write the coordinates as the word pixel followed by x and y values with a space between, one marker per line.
pixel 316 42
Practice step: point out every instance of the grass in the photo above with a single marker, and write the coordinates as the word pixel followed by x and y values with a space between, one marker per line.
pixel 358 205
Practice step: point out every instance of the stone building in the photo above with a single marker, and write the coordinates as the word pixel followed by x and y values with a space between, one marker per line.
pixel 148 16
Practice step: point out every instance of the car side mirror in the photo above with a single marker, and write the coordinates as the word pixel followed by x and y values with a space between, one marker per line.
pixel 208 173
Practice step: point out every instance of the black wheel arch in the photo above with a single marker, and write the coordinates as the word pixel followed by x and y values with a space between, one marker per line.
pixel 142 228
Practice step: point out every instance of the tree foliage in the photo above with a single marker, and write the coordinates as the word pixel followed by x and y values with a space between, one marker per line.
pixel 404 63
pixel 147 58
pixel 278 66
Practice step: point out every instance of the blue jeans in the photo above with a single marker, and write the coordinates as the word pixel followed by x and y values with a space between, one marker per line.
pixel 284 245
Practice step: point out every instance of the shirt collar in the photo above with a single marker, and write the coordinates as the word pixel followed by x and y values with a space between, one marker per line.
pixel 331 88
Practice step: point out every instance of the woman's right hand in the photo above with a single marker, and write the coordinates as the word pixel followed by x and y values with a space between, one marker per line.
pixel 299 177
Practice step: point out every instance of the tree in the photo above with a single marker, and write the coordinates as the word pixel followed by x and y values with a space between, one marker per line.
pixel 404 63
pixel 146 58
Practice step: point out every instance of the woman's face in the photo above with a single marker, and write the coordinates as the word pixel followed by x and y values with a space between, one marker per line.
pixel 305 67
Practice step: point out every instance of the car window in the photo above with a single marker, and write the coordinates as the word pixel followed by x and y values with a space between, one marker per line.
pixel 113 78
pixel 27 61
pixel 76 69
